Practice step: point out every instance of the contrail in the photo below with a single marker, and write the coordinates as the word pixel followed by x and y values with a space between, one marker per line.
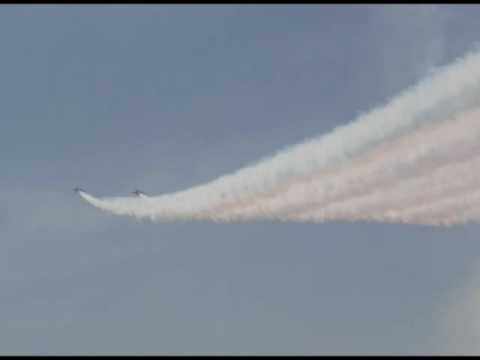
pixel 414 160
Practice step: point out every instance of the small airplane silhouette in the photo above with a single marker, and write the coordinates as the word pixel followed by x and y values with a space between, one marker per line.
pixel 138 193
pixel 77 190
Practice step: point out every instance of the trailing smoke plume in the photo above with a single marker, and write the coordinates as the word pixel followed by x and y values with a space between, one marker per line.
pixel 414 160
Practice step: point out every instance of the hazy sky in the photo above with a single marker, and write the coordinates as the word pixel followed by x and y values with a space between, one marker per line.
pixel 113 98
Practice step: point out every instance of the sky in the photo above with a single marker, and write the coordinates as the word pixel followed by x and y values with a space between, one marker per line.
pixel 163 97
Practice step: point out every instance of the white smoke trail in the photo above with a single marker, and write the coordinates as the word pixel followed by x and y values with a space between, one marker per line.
pixel 449 180
pixel 392 162
pixel 395 163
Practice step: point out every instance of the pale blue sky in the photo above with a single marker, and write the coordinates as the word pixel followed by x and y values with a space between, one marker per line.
pixel 112 98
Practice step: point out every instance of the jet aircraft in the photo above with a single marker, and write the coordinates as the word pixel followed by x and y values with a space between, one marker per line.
pixel 139 193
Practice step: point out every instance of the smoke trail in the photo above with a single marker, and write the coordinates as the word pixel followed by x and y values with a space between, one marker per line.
pixel 448 180
pixel 414 160
pixel 416 153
